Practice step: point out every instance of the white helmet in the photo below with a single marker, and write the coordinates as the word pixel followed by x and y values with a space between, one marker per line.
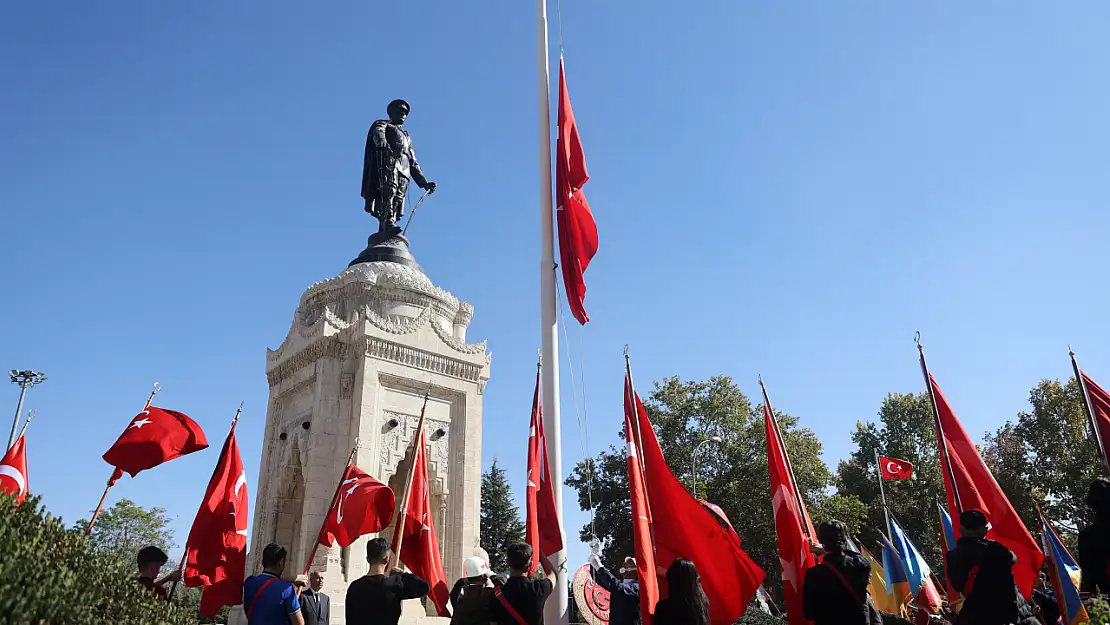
pixel 475 567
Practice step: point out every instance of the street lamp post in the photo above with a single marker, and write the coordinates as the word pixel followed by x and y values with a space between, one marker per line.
pixel 25 380
pixel 711 439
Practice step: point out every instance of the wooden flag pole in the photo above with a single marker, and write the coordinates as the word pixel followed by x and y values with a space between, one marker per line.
pixel 185 551
pixel 803 514
pixel 942 441
pixel 116 473
pixel 882 494
pixel 327 513
pixel 1090 413
pixel 398 526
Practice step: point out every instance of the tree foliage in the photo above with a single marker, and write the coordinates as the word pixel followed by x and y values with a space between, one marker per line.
pixel 500 523
pixel 53 575
pixel 125 528
pixel 732 474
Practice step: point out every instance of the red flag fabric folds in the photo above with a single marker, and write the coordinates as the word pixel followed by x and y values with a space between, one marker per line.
pixel 977 489
pixel 895 469
pixel 420 549
pixel 792 525
pixel 216 552
pixel 154 436
pixel 683 528
pixel 542 527
pixel 643 549
pixel 13 471
pixel 363 506
pixel 1100 412
pixel 577 230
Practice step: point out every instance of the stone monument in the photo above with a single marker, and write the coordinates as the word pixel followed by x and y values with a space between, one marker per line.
pixel 363 349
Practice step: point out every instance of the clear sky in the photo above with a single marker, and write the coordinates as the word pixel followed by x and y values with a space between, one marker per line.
pixel 785 188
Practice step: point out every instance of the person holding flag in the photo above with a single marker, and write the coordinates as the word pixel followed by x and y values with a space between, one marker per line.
pixel 982 570
pixel 151 560
pixel 624 593
pixel 375 598
pixel 1094 540
pixel 835 591
pixel 521 599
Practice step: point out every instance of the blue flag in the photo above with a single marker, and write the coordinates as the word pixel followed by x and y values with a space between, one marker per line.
pixel 894 571
pixel 1064 573
pixel 917 570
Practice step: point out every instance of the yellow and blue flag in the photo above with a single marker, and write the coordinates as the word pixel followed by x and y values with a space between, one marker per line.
pixel 917 570
pixel 1064 573
pixel 885 600
pixel 894 571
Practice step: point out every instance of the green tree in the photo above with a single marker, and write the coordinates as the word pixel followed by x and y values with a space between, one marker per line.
pixel 907 433
pixel 732 474
pixel 500 523
pixel 125 528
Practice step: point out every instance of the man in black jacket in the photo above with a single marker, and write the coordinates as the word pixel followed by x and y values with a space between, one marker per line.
pixel 1094 540
pixel 982 570
pixel 624 593
pixel 375 598
pixel 835 591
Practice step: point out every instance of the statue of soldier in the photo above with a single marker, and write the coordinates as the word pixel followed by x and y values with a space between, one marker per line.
pixel 388 164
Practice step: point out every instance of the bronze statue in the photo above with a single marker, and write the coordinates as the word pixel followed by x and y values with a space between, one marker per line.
pixel 388 164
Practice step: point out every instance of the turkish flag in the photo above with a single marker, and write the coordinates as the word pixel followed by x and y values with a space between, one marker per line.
pixel 1100 412
pixel 542 528
pixel 420 549
pixel 13 471
pixel 683 528
pixel 977 489
pixel 154 436
pixel 216 551
pixel 792 523
pixel 642 547
pixel 895 469
pixel 363 506
pixel 577 230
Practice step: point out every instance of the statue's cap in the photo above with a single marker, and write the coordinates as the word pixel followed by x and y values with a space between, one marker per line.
pixel 398 103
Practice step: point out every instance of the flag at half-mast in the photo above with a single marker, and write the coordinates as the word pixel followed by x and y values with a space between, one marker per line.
pixel 154 436
pixel 363 505
pixel 13 470
pixel 577 229
pixel 792 523
pixel 216 551
pixel 683 528
pixel 543 530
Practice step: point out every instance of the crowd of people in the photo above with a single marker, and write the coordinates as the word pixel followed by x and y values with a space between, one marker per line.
pixel 835 591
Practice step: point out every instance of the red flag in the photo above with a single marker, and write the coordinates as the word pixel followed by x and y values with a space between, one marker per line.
pixel 577 230
pixel 643 549
pixel 363 506
pixel 154 436
pixel 895 469
pixel 216 552
pixel 977 489
pixel 542 528
pixel 13 471
pixel 683 528
pixel 792 523
pixel 1100 413
pixel 420 549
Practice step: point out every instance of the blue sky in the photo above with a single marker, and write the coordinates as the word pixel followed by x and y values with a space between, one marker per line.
pixel 787 188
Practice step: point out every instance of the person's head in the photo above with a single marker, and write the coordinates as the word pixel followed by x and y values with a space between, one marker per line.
pixel 475 570
pixel 688 600
pixel 519 557
pixel 397 110
pixel 150 560
pixel 378 553
pixel 1042 581
pixel 973 524
pixel 315 581
pixel 628 568
pixel 1098 497
pixel 273 559
pixel 833 535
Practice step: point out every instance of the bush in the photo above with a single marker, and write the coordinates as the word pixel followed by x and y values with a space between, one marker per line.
pixel 1098 610
pixel 51 575
pixel 755 616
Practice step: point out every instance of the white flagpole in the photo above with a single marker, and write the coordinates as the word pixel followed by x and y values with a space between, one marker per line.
pixel 555 612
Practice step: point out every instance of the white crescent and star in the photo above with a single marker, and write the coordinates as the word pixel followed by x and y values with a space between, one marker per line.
pixel 893 468
pixel 10 471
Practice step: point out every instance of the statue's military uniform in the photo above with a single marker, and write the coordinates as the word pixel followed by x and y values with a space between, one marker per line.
pixel 388 165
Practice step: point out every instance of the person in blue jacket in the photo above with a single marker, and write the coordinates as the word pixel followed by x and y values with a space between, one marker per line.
pixel 624 593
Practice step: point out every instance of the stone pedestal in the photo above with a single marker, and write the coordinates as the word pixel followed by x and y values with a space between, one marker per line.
pixel 363 349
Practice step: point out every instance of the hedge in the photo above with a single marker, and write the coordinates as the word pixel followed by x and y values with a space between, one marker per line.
pixel 51 576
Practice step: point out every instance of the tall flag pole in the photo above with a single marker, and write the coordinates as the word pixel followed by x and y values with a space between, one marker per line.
pixel 882 492
pixel 1092 420
pixel 945 461
pixel 556 610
